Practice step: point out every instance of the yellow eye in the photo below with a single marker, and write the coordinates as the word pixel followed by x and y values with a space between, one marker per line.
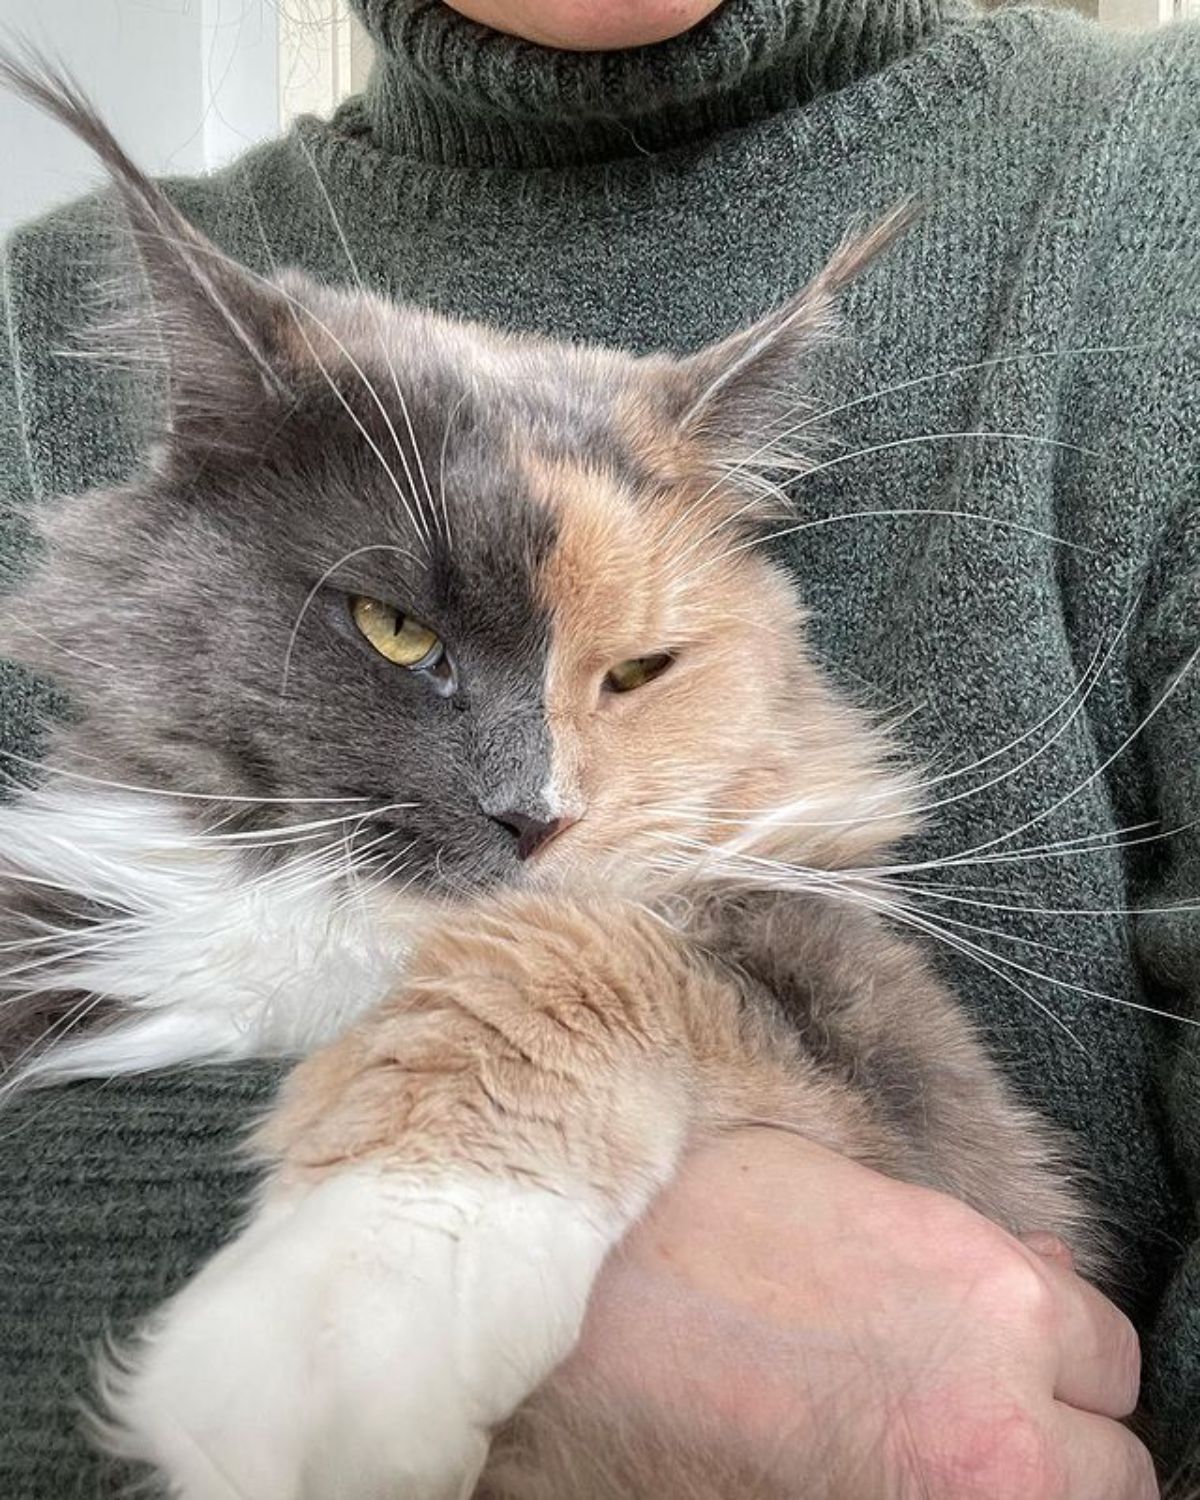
pixel 637 671
pixel 405 641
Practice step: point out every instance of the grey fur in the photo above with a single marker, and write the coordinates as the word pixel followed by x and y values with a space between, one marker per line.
pixel 204 606
pixel 195 617
pixel 867 1007
pixel 289 403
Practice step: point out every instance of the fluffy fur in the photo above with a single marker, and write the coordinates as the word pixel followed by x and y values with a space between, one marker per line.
pixel 192 957
pixel 370 1361
pixel 275 839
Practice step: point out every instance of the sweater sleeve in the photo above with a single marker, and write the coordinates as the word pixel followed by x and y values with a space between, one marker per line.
pixel 1130 492
pixel 1168 904
pixel 1149 279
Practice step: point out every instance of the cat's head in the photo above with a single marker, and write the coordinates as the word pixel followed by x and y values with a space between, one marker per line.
pixel 508 592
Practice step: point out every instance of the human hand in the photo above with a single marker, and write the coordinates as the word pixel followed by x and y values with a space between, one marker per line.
pixel 866 1338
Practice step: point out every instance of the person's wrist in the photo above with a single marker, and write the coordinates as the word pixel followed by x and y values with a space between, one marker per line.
pixel 717 1349
pixel 862 1334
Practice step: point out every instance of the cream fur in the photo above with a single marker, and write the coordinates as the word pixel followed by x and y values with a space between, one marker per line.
pixel 360 1339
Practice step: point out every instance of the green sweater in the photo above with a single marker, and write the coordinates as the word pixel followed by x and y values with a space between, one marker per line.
pixel 658 198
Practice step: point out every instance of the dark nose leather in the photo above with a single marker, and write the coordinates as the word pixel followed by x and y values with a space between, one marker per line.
pixel 530 833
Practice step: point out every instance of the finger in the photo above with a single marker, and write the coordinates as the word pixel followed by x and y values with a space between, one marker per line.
pixel 1103 1460
pixel 1050 1247
pixel 1098 1366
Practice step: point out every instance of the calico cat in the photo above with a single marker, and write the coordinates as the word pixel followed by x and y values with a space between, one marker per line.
pixel 439 721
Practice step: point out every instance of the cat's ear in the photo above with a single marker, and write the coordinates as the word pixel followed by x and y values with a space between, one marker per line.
pixel 222 333
pixel 735 397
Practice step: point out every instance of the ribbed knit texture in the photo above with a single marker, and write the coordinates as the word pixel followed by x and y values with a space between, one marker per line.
pixel 456 93
pixel 659 198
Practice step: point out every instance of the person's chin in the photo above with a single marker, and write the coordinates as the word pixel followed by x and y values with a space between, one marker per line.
pixel 588 25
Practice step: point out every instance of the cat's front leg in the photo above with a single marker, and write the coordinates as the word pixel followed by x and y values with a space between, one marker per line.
pixel 447 1180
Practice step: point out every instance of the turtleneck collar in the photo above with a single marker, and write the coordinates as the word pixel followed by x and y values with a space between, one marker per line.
pixel 447 90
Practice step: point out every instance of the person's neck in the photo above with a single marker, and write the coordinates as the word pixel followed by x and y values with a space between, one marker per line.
pixel 447 90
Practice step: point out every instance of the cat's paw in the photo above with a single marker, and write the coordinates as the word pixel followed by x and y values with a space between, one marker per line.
pixel 358 1341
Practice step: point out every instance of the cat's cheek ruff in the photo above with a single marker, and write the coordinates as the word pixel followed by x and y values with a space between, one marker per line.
pixel 362 1337
pixel 202 959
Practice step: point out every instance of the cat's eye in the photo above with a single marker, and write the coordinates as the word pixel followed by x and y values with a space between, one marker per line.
pixel 396 636
pixel 637 672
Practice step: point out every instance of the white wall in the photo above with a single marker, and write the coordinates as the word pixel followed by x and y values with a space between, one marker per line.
pixel 186 85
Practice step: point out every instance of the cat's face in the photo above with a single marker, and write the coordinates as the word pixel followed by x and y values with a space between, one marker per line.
pixel 503 592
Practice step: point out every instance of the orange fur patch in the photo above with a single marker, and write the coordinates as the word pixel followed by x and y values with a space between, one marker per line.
pixel 739 723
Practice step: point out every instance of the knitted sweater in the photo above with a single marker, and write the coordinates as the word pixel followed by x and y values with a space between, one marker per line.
pixel 1028 621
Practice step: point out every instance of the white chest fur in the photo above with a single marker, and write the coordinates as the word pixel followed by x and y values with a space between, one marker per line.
pixel 207 959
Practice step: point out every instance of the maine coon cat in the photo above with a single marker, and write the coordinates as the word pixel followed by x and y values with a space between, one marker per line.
pixel 439 720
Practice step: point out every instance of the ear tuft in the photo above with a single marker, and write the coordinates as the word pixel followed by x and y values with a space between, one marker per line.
pixel 734 389
pixel 218 327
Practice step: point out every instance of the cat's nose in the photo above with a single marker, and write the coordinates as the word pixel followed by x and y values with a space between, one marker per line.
pixel 531 834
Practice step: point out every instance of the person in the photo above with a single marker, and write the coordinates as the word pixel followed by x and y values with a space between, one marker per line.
pixel 1005 550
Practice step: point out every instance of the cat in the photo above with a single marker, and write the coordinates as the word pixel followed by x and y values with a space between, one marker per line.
pixel 438 721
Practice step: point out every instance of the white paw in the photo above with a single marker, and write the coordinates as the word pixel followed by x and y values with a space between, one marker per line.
pixel 358 1341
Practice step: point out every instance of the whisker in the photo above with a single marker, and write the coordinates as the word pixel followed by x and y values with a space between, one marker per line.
pixel 316 589
pixel 1165 697
pixel 920 809
pixel 980 364
pixel 1085 843
pixel 454 411
pixel 741 471
pixel 984 958
pixel 1094 666
pixel 1050 911
pixel 294 303
pixel 1122 1001
pixel 817 522
pixel 383 343
pixel 382 874
pixel 292 831
pixel 297 307
pixel 91 661
pixel 23 1067
pixel 126 786
pixel 820 883
pixel 778 876
pixel 88 947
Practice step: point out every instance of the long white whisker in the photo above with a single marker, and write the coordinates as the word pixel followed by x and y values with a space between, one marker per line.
pixel 816 523
pixel 15 1071
pixel 1094 666
pixel 292 830
pixel 779 876
pixel 383 343
pixel 999 779
pixel 316 589
pixel 87 948
pixel 945 374
pixel 825 884
pixel 1078 989
pixel 954 898
pixel 91 661
pixel 1066 848
pixel 807 468
pixel 984 958
pixel 297 307
pixel 454 411
pixel 152 791
pixel 1167 694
